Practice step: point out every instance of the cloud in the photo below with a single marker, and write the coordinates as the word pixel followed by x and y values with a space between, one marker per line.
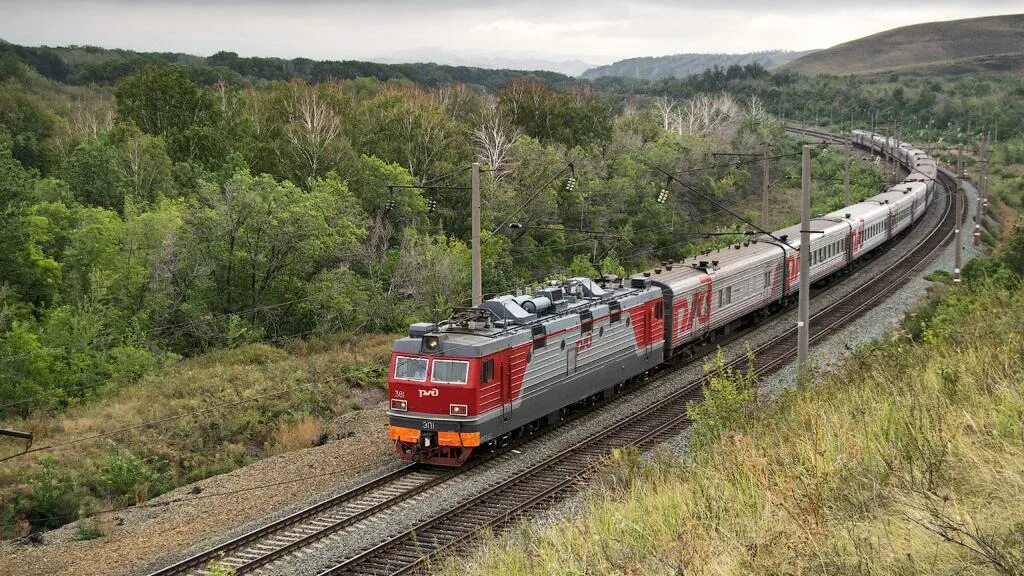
pixel 596 30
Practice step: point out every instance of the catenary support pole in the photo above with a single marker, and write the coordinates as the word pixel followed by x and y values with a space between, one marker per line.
pixel 959 193
pixel 985 159
pixel 478 285
pixel 764 191
pixel 803 322
pixel 846 171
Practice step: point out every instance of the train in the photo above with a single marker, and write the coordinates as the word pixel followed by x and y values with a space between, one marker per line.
pixel 517 363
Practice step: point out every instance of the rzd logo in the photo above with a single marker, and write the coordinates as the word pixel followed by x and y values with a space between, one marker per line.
pixel 584 343
pixel 431 392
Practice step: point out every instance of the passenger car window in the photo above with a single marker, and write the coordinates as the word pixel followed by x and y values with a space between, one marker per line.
pixel 411 368
pixel 450 372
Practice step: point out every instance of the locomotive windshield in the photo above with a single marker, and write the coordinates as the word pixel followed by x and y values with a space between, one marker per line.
pixel 450 372
pixel 411 368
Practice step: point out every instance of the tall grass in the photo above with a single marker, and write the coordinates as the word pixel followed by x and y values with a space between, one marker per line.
pixel 49 489
pixel 909 459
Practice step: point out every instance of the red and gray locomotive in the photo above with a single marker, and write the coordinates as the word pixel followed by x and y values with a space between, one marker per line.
pixel 515 363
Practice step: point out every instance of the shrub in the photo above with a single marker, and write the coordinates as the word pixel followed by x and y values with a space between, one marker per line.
pixel 53 501
pixel 727 396
pixel 123 474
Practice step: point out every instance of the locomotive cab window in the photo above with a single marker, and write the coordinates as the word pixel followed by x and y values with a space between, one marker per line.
pixel 487 372
pixel 539 337
pixel 614 312
pixel 450 372
pixel 586 321
pixel 411 368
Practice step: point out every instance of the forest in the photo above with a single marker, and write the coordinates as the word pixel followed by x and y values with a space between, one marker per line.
pixel 158 211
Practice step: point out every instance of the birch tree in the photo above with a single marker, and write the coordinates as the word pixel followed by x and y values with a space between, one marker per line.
pixel 312 129
pixel 494 139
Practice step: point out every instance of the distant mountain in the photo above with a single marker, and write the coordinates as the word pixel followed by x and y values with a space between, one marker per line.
pixel 494 60
pixel 682 65
pixel 993 44
pixel 93 65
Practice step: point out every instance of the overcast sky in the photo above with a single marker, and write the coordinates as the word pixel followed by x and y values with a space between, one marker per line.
pixel 597 31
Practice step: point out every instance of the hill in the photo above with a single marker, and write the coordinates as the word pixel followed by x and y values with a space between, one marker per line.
pixel 993 44
pixel 682 65
pixel 82 65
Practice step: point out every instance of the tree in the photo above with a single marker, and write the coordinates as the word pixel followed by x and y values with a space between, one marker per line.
pixel 162 100
pixel 1013 254
pixel 144 164
pixel 368 181
pixel 28 125
pixel 312 132
pixel 407 126
pixel 666 111
pixel 254 243
pixel 94 177
pixel 15 181
pixel 28 270
pixel 494 138
pixel 581 266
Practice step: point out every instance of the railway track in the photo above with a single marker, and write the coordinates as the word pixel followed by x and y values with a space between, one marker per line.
pixel 825 136
pixel 540 485
pixel 528 490
pixel 268 543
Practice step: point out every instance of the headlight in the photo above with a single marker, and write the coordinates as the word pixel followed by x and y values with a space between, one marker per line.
pixel 399 405
pixel 431 344
pixel 458 410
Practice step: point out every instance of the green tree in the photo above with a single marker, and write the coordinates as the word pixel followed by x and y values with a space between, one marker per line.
pixel 143 163
pixel 28 125
pixel 1013 254
pixel 581 266
pixel 94 177
pixel 369 179
pixel 262 242
pixel 162 100
pixel 32 273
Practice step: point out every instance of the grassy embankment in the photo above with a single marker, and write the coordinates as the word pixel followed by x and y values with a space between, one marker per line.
pixel 907 460
pixel 301 389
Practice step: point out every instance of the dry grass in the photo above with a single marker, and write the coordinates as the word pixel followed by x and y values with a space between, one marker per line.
pixel 910 460
pixel 298 435
pixel 213 442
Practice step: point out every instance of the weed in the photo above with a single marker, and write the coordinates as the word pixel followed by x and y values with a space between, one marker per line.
pixel 298 435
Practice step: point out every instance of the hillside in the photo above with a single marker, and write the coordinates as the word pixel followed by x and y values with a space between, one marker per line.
pixel 992 44
pixel 82 65
pixel 682 65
